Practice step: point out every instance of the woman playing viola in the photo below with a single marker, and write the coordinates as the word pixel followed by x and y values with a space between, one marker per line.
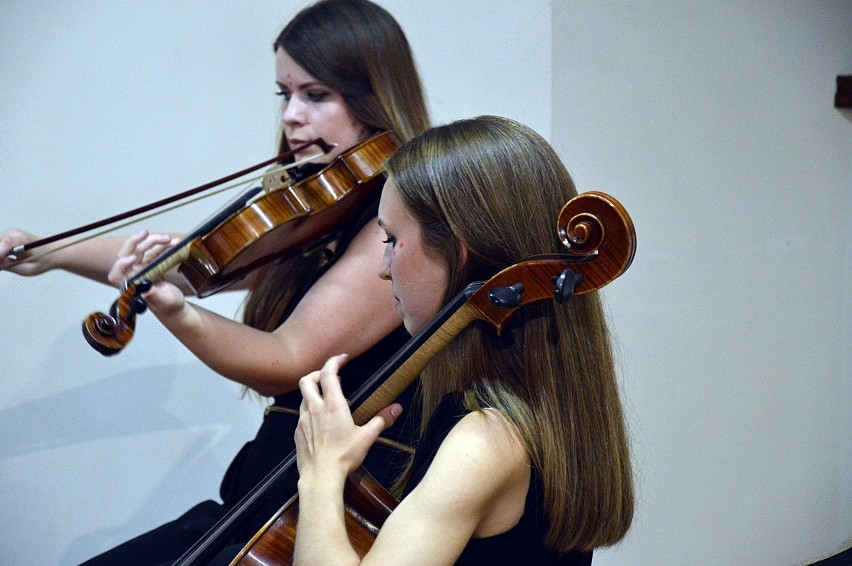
pixel 344 71
pixel 524 456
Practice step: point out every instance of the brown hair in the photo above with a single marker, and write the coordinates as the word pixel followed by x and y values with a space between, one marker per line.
pixel 495 187
pixel 358 49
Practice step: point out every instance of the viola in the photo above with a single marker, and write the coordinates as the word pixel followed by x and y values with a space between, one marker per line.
pixel 251 232
pixel 601 242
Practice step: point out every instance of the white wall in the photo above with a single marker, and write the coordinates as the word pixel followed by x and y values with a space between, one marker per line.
pixel 714 123
pixel 106 106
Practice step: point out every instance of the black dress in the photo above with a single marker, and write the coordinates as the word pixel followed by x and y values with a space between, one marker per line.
pixel 522 544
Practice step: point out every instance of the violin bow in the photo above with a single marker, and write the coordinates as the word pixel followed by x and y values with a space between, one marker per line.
pixel 18 250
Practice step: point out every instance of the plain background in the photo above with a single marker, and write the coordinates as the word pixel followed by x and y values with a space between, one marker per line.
pixel 712 122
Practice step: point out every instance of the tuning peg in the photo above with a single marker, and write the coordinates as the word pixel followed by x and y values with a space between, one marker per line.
pixel 138 305
pixel 507 297
pixel 566 284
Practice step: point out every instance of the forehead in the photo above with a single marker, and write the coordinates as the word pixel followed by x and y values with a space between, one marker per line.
pixel 385 199
pixel 391 210
pixel 287 70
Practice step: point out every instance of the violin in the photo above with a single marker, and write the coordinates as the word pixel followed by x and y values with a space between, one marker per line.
pixel 251 232
pixel 289 218
pixel 601 243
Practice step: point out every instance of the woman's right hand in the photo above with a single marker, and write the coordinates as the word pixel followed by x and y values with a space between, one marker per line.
pixel 136 253
pixel 15 237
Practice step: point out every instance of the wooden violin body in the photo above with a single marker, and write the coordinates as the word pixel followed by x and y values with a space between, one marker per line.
pixel 253 231
pixel 290 218
pixel 601 243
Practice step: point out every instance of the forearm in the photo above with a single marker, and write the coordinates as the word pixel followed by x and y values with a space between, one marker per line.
pixel 257 359
pixel 321 534
pixel 91 259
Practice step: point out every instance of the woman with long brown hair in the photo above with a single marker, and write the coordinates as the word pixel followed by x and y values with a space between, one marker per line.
pixel 344 71
pixel 524 456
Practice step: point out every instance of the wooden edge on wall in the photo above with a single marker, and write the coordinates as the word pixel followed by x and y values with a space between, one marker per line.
pixel 843 97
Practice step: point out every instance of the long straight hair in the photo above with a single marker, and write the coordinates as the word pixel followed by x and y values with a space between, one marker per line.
pixel 494 187
pixel 358 49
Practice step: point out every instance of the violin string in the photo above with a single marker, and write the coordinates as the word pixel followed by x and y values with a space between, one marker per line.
pixel 113 228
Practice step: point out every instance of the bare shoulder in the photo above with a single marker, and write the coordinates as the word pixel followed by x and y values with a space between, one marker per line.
pixel 485 438
pixel 484 446
pixel 362 256
pixel 475 487
pixel 358 266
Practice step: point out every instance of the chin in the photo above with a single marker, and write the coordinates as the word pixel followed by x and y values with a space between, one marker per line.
pixel 412 327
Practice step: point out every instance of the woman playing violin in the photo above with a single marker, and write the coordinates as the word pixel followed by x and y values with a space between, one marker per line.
pixel 344 71
pixel 524 456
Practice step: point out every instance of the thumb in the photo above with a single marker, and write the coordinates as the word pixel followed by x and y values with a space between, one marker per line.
pixel 383 420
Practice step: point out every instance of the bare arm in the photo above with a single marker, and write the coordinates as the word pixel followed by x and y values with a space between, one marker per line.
pixel 349 309
pixel 91 259
pixel 475 487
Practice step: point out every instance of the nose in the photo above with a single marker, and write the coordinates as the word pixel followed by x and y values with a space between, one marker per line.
pixel 294 113
pixel 384 267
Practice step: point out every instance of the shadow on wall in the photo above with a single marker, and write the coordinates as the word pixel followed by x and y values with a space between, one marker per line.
pixel 141 406
pixel 120 405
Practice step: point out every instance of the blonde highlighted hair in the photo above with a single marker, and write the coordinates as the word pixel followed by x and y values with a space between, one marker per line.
pixel 495 188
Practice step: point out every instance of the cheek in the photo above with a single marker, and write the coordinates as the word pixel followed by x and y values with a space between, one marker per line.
pixel 346 128
pixel 421 286
pixel 403 270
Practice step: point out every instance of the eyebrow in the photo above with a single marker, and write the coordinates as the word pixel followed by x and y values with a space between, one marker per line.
pixel 309 84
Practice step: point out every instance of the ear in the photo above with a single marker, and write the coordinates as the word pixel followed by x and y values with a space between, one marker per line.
pixel 462 255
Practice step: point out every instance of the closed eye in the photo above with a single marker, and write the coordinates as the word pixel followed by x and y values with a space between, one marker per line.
pixel 317 96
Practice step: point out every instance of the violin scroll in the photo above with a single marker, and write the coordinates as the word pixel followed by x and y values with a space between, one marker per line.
pixel 601 242
pixel 110 333
pixel 595 227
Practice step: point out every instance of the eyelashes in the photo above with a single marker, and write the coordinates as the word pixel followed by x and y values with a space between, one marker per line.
pixel 311 96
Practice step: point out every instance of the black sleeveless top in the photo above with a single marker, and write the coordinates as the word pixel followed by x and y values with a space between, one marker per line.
pixel 523 543
pixel 274 440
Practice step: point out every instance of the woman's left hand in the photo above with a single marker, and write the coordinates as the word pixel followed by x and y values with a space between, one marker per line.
pixel 137 253
pixel 329 445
